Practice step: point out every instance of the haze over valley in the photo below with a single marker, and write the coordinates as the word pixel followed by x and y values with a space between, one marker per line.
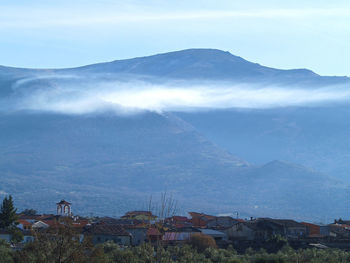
pixel 220 133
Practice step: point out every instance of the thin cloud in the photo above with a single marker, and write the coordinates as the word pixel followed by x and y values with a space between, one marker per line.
pixel 43 18
pixel 93 96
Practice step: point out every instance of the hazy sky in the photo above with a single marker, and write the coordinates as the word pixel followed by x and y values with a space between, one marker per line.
pixel 60 33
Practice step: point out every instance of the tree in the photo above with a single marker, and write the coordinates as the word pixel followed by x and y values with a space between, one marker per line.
pixel 59 244
pixel 8 215
pixel 168 206
pixel 5 252
pixel 202 242
pixel 16 235
pixel 30 212
pixel 275 243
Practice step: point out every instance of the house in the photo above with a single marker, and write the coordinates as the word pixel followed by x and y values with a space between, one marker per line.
pixel 179 234
pixel 217 235
pixel 342 222
pixel 313 230
pixel 337 230
pixel 138 234
pixel 101 233
pixel 77 222
pixel 40 225
pixel 140 215
pixel 24 224
pixel 284 227
pixel 265 228
pixel 175 237
pixel 48 217
pixel 34 218
pixel 200 219
pixel 29 218
pixel 153 234
pixel 242 231
pixel 178 221
pixel 53 221
pixel 136 228
pixel 188 229
pixel 222 222
pixel 120 221
pixel 27 236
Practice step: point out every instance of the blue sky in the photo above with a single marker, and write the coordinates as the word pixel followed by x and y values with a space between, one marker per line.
pixel 300 34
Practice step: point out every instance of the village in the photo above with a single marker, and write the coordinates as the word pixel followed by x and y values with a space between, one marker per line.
pixel 138 227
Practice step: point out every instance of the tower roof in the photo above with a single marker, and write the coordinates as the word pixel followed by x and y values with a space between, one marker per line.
pixel 63 202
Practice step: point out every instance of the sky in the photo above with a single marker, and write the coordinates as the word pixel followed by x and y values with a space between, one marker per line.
pixel 283 34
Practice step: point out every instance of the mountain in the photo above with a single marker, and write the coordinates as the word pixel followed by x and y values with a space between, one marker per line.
pixel 191 64
pixel 209 64
pixel 316 137
pixel 139 155
pixel 107 163
pixel 285 190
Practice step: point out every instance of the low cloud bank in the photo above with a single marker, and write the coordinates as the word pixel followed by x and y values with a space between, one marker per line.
pixel 81 96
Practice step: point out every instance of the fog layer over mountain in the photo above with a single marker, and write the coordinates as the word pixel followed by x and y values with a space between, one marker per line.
pixel 80 94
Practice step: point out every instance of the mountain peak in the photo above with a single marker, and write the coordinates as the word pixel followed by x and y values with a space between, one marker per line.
pixel 202 53
pixel 204 64
pixel 188 57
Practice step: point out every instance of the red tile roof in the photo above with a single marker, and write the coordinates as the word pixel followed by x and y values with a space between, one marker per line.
pixel 103 229
pixel 201 215
pixel 24 222
pixel 51 223
pixel 80 223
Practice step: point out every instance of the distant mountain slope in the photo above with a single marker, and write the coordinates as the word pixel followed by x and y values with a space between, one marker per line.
pixel 108 165
pixel 316 137
pixel 146 153
pixel 286 189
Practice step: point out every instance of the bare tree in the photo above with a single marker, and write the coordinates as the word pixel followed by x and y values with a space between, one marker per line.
pixel 168 206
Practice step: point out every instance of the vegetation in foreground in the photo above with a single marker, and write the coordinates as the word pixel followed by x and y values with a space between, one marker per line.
pixel 64 249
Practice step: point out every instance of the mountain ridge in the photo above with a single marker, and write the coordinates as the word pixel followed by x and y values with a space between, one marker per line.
pixel 194 55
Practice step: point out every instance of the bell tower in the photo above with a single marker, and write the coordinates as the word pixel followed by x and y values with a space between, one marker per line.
pixel 64 208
